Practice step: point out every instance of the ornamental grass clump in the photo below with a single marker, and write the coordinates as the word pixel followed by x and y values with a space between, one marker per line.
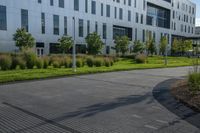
pixel 5 62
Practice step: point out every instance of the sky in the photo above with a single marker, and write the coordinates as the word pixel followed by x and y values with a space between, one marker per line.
pixel 198 11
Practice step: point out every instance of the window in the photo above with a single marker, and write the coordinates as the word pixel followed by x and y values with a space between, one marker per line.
pixel 43 22
pixel 141 19
pixel 80 27
pixel 86 6
pixel 135 34
pixel 24 19
pixel 129 2
pixel 137 18
pixel 61 3
pixel 101 9
pixel 51 2
pixel 56 24
pixel 65 25
pixel 120 13
pixel 115 12
pixel 93 10
pixel 76 5
pixel 96 27
pixel 143 35
pixel 129 15
pixel 39 1
pixel 158 16
pixel 104 31
pixel 88 27
pixel 3 18
pixel 108 10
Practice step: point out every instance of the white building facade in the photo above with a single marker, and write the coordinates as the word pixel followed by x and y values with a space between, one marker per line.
pixel 48 20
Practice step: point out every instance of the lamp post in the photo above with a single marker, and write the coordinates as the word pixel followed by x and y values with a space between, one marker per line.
pixel 74 47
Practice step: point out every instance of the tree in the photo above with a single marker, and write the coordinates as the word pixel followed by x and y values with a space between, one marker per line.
pixel 65 43
pixel 187 45
pixel 138 47
pixel 122 44
pixel 150 44
pixel 94 43
pixel 163 45
pixel 175 46
pixel 23 39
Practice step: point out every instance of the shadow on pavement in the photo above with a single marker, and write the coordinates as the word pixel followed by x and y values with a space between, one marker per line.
pixel 162 94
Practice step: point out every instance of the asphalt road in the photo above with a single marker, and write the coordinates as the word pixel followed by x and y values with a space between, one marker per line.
pixel 117 102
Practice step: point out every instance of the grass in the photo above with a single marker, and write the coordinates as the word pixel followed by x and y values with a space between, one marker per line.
pixel 123 64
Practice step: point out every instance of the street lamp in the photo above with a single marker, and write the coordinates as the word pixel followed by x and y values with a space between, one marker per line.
pixel 74 47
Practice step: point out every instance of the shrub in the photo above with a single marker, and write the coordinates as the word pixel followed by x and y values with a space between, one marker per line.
pixel 56 64
pixel 21 63
pixel 90 61
pixel 45 62
pixel 107 62
pixel 98 62
pixel 67 62
pixel 5 62
pixel 39 63
pixel 79 62
pixel 141 58
pixel 30 59
pixel 194 82
pixel 18 61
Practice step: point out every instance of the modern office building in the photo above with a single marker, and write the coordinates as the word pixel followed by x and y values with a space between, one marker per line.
pixel 48 20
pixel 197 31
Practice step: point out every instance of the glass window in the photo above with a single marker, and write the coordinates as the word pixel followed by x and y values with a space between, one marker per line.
pixel 65 25
pixel 76 5
pixel 80 27
pixel 93 10
pixel 108 10
pixel 24 19
pixel 61 3
pixel 86 6
pixel 43 22
pixel 51 2
pixel 120 13
pixel 56 24
pixel 3 18
pixel 104 31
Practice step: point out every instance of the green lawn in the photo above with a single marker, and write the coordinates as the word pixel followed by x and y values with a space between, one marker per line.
pixel 123 64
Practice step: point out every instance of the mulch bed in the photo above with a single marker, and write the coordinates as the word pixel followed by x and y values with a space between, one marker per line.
pixel 181 92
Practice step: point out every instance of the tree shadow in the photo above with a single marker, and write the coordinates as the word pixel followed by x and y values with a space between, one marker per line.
pixel 92 110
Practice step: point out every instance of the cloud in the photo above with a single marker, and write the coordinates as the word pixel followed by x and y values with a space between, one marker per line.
pixel 198 22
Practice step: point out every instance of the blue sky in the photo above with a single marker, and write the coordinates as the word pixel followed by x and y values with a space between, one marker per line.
pixel 198 11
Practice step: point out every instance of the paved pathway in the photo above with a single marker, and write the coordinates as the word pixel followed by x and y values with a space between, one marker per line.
pixel 118 102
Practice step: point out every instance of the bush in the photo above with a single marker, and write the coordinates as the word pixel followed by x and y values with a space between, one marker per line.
pixel 79 62
pixel 194 82
pixel 90 61
pixel 45 62
pixel 107 62
pixel 59 59
pixel 39 63
pixel 18 61
pixel 30 59
pixel 141 58
pixel 98 62
pixel 67 62
pixel 56 64
pixel 5 62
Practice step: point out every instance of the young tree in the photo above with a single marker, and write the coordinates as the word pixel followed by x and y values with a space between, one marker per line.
pixel 163 45
pixel 122 44
pixel 23 39
pixel 138 47
pixel 65 43
pixel 175 46
pixel 187 45
pixel 151 48
pixel 94 43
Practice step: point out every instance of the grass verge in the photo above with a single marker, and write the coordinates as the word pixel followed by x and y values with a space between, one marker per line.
pixel 122 65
